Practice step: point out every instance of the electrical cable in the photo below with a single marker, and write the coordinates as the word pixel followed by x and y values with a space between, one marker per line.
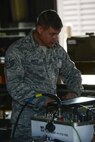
pixel 50 126
pixel 14 129
pixel 55 97
pixel 29 101
pixel 87 108
pixel 77 133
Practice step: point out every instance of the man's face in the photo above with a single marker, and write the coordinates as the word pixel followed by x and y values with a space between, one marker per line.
pixel 48 37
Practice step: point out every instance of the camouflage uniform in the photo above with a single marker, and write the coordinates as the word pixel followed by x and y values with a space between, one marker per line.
pixel 29 70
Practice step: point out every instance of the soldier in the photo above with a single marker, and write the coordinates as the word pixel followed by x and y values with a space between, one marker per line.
pixel 32 66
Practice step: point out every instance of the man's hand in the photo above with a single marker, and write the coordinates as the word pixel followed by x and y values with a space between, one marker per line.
pixel 69 96
pixel 48 100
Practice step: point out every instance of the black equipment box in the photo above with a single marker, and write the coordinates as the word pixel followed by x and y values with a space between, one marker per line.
pixel 81 48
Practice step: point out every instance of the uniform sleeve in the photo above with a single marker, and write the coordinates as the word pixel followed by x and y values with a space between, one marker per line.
pixel 16 81
pixel 71 76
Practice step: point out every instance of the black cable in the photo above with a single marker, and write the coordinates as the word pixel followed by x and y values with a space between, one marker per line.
pixel 23 106
pixel 50 126
pixel 29 101
pixel 14 129
pixel 55 97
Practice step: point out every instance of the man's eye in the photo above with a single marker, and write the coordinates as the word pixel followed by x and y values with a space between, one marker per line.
pixel 51 34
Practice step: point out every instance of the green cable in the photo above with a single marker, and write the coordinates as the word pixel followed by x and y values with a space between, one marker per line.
pixel 77 133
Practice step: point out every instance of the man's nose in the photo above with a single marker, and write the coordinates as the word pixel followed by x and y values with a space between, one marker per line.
pixel 55 37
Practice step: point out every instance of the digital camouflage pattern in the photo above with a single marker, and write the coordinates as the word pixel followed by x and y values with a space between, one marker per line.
pixel 28 70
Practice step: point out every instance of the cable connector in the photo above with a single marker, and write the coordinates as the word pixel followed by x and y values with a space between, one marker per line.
pixel 30 100
pixel 38 95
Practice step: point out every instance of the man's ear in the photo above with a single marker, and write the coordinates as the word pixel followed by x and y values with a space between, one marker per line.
pixel 39 29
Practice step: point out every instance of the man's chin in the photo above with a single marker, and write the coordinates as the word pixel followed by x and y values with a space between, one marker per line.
pixel 51 45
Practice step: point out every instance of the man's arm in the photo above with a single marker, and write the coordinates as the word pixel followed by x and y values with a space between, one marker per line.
pixel 16 81
pixel 71 76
